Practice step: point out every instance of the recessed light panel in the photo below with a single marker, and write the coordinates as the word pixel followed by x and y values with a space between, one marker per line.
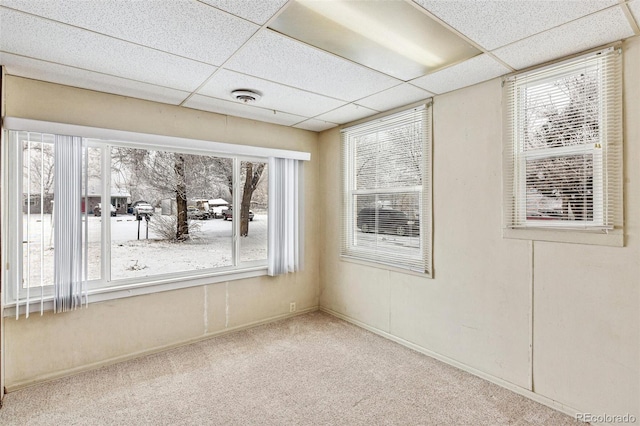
pixel 392 37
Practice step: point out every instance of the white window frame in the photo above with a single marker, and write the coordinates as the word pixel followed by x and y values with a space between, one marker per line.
pixel 367 255
pixel 521 211
pixel 105 288
pixel 606 154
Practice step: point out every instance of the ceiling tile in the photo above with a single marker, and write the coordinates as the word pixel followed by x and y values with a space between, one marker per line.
pixel 205 33
pixel 274 96
pixel 255 11
pixel 495 23
pixel 398 96
pixel 54 42
pixel 346 114
pixel 475 70
pixel 277 58
pixel 635 9
pixel 315 125
pixel 54 73
pixel 592 31
pixel 241 110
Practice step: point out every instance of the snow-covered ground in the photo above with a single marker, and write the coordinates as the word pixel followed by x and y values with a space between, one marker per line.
pixel 210 246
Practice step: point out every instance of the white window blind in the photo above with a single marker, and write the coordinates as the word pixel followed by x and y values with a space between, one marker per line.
pixel 386 212
pixel 71 232
pixel 563 145
pixel 52 241
pixel 70 242
pixel 285 205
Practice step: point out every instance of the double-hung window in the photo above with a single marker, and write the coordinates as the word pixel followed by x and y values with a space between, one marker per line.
pixel 387 191
pixel 88 216
pixel 563 147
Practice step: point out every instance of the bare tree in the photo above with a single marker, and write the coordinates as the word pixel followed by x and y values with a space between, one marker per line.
pixel 390 159
pixel 40 167
pixel 569 119
pixel 253 174
pixel 159 174
pixel 182 225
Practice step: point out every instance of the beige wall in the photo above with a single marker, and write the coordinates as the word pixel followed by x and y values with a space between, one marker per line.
pixel 2 71
pixel 492 297
pixel 39 347
pixel 561 320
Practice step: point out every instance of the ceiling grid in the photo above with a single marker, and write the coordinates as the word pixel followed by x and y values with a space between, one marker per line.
pixel 194 53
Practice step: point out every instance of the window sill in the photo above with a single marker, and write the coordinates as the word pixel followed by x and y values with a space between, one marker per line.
pixel 384 266
pixel 614 238
pixel 142 288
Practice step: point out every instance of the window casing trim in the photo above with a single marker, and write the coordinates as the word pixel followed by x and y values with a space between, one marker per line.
pixel 16 294
pixel 597 223
pixel 147 140
pixel 104 288
pixel 606 226
pixel 130 288
pixel 354 254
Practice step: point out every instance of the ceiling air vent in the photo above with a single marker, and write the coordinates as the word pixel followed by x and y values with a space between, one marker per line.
pixel 246 96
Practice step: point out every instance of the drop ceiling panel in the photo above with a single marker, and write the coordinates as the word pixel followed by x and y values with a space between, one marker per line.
pixel 635 9
pixel 315 125
pixel 182 27
pixel 255 11
pixel 274 96
pixel 240 110
pixel 403 94
pixel 496 23
pixel 475 70
pixel 163 50
pixel 346 114
pixel 277 58
pixel 59 43
pixel 54 73
pixel 592 31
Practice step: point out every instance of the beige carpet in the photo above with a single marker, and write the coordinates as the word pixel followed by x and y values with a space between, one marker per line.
pixel 309 370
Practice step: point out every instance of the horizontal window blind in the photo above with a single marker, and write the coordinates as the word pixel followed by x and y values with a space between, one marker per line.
pixel 563 145
pixel 386 212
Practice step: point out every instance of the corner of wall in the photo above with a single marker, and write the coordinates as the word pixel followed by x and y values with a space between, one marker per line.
pixel 2 113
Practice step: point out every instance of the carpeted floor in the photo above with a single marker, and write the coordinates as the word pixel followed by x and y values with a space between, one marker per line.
pixel 313 369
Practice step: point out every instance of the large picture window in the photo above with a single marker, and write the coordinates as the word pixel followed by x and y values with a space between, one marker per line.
pixel 91 215
pixel 387 191
pixel 563 143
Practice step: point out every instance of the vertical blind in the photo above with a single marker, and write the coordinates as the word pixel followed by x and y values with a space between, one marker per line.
pixel 563 145
pixel 70 284
pixel 54 232
pixel 386 170
pixel 285 209
pixel 55 256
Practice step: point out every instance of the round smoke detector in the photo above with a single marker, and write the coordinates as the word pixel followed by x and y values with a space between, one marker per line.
pixel 246 96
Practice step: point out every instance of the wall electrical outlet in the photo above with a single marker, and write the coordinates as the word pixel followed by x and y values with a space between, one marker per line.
pixel 292 307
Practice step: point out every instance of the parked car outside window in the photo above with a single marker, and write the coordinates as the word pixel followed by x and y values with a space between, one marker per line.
pixel 97 210
pixel 386 221
pixel 217 211
pixel 195 213
pixel 228 214
pixel 142 208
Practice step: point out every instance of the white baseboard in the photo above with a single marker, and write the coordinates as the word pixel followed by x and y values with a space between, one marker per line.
pixel 570 411
pixel 87 367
